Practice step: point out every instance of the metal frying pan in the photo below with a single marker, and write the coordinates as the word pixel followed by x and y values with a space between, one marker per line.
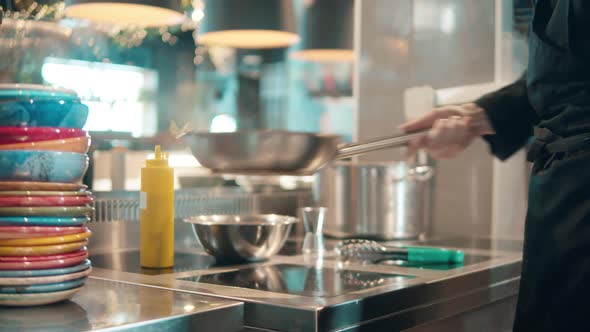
pixel 278 152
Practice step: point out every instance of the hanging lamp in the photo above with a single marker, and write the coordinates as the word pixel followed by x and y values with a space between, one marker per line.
pixel 145 13
pixel 327 31
pixel 248 24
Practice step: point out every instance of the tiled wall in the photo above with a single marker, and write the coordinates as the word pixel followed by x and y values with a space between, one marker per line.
pixel 440 43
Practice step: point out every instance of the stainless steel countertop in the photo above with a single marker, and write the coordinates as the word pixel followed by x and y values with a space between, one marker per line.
pixel 104 305
pixel 291 293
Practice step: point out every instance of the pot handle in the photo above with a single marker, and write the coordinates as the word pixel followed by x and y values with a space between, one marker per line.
pixel 421 173
pixel 418 173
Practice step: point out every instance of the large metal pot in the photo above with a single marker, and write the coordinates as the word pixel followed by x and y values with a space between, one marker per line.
pixel 382 201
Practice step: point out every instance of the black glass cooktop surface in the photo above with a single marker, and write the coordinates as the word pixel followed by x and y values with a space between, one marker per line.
pixel 295 247
pixel 128 261
pixel 300 280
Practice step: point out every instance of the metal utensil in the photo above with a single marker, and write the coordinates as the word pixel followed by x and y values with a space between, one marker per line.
pixel 276 152
pixel 313 243
pixel 239 238
pixel 371 251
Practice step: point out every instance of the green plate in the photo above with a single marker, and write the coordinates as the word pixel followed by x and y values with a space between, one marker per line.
pixel 20 193
pixel 52 211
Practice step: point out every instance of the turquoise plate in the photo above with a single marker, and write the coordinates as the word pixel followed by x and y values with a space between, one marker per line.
pixel 43 113
pixel 44 221
pixel 47 211
pixel 19 91
pixel 43 288
pixel 43 273
pixel 43 166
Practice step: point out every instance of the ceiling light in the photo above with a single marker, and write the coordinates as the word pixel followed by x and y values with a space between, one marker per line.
pixel 248 24
pixel 149 13
pixel 327 31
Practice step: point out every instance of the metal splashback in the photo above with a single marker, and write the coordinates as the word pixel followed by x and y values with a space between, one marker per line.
pixel 115 223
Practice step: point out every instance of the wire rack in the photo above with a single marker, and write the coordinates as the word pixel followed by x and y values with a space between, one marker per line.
pixel 124 205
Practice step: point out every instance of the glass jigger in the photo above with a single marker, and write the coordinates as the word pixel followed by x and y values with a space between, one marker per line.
pixel 313 221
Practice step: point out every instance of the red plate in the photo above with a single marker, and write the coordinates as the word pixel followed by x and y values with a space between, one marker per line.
pixel 23 232
pixel 45 201
pixel 47 264
pixel 9 135
pixel 79 253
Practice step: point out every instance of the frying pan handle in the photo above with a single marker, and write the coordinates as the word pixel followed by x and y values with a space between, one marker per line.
pixel 353 149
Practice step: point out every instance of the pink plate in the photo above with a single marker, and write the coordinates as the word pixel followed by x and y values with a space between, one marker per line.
pixel 41 265
pixel 45 201
pixel 79 253
pixel 25 232
pixel 10 135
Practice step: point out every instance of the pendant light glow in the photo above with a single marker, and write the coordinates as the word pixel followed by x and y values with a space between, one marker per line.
pixel 138 13
pixel 324 55
pixel 249 39
pixel 327 32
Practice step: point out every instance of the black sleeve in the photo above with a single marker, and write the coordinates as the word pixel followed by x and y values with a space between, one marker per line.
pixel 579 23
pixel 511 116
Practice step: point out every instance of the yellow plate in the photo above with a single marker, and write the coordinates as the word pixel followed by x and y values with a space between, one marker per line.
pixel 41 241
pixel 42 250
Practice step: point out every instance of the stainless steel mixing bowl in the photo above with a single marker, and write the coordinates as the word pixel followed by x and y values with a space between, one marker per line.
pixel 239 238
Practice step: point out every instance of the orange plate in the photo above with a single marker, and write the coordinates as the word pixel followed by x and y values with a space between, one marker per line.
pixel 31 185
pixel 75 144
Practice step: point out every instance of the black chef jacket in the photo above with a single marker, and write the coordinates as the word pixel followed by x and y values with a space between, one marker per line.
pixel 553 97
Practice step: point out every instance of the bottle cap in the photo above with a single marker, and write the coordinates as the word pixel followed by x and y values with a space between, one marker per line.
pixel 160 159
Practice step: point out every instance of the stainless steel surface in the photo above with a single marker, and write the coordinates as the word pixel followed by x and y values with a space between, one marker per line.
pixel 278 152
pixel 239 238
pixel 105 305
pixel 387 200
pixel 287 294
pixel 494 317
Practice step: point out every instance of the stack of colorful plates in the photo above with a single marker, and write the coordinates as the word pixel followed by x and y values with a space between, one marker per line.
pixel 43 205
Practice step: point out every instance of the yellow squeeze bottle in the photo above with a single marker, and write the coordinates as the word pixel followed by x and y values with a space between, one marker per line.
pixel 156 216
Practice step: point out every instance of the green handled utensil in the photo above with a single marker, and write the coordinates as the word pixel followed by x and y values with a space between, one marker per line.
pixel 371 251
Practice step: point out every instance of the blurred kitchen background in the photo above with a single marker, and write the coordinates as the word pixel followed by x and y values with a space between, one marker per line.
pixel 395 60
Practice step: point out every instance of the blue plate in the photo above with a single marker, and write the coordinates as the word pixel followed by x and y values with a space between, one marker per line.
pixel 44 221
pixel 44 166
pixel 44 273
pixel 43 113
pixel 43 288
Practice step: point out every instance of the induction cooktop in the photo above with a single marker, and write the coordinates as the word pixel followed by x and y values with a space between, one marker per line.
pixel 128 261
pixel 300 280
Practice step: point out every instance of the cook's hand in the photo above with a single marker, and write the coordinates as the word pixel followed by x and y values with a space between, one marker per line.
pixel 453 128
